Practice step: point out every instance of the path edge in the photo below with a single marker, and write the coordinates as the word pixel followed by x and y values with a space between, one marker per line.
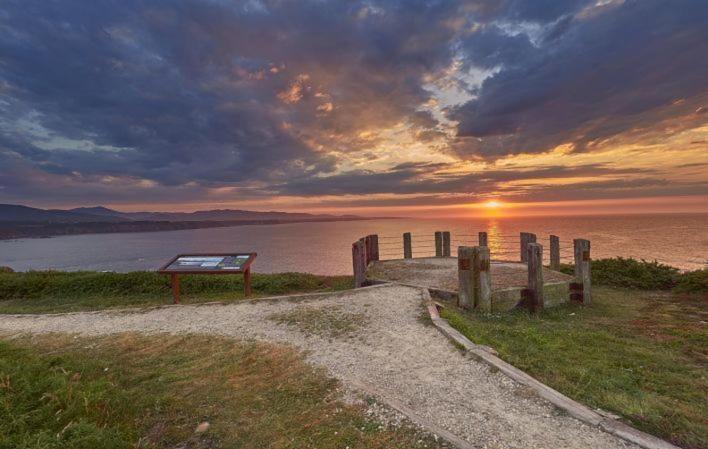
pixel 573 408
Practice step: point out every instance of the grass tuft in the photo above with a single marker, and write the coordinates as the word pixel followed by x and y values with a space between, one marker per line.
pixel 56 291
pixel 328 321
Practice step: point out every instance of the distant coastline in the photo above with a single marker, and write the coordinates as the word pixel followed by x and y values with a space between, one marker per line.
pixel 22 230
pixel 19 221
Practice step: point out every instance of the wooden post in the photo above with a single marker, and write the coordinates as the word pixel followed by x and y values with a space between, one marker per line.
pixel 581 251
pixel 359 263
pixel 247 282
pixel 535 283
pixel 526 238
pixel 481 273
pixel 555 253
pixel 174 277
pixel 465 297
pixel 407 246
pixel 438 244
pixel 372 248
pixel 483 241
pixel 446 244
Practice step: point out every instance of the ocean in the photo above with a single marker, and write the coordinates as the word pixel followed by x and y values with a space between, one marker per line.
pixel 325 248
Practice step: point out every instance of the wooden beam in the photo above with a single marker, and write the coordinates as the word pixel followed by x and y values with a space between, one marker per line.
pixel 482 274
pixel 581 253
pixel 407 246
pixel 555 253
pixel 483 240
pixel 465 297
pixel 535 280
pixel 359 263
pixel 526 238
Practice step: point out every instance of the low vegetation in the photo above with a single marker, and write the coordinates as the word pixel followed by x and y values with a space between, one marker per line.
pixel 57 291
pixel 329 321
pixel 641 355
pixel 644 275
pixel 191 392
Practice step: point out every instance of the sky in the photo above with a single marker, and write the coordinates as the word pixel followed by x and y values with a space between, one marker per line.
pixel 422 108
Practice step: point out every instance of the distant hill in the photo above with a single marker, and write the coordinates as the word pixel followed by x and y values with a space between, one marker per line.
pixel 205 215
pixel 18 213
pixel 18 221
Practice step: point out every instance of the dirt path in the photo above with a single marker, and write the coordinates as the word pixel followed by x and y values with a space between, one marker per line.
pixel 373 338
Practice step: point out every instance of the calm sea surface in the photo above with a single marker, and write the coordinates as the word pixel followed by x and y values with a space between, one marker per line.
pixel 325 248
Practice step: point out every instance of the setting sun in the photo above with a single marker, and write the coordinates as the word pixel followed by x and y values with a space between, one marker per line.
pixel 492 204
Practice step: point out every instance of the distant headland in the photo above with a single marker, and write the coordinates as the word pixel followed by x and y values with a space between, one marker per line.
pixel 18 221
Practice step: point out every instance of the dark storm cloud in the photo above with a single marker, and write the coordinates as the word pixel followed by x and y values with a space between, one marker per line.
pixel 188 91
pixel 626 68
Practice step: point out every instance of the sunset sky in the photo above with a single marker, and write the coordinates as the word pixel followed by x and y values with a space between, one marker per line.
pixel 369 107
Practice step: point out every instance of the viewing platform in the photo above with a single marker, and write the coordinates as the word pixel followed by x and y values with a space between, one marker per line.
pixel 475 279
pixel 440 276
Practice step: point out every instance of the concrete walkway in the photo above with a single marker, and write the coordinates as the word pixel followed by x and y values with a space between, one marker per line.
pixel 390 352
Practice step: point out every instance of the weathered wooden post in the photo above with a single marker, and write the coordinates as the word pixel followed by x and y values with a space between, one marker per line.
pixel 407 246
pixel 465 297
pixel 446 244
pixel 555 253
pixel 581 252
pixel 474 278
pixel 482 276
pixel 526 239
pixel 359 262
pixel 438 244
pixel 483 241
pixel 372 247
pixel 367 250
pixel 535 283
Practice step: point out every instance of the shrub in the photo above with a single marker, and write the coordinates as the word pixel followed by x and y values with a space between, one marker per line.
pixel 693 282
pixel 630 273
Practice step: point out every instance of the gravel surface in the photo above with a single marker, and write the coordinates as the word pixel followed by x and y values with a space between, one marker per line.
pixel 393 351
pixel 441 272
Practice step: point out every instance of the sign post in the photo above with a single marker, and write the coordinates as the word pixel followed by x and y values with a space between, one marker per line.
pixel 221 263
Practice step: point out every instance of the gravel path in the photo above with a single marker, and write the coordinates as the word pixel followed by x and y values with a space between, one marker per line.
pixel 389 349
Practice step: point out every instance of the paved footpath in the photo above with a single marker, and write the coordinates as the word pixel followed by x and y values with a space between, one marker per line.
pixel 393 353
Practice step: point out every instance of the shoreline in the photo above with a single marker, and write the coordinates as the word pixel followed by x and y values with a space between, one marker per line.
pixel 49 230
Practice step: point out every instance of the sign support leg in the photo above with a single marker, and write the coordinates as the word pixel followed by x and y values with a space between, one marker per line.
pixel 175 288
pixel 247 282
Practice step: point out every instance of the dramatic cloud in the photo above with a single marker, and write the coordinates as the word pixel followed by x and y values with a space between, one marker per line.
pixel 268 102
pixel 580 80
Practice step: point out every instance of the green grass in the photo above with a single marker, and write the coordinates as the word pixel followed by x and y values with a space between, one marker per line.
pixel 641 355
pixel 126 391
pixel 56 291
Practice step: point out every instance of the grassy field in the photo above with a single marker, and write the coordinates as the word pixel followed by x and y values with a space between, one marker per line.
pixel 641 355
pixel 128 391
pixel 56 291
